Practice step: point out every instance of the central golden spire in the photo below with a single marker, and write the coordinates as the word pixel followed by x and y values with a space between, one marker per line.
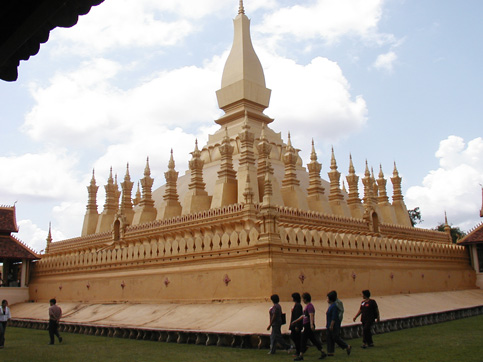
pixel 243 80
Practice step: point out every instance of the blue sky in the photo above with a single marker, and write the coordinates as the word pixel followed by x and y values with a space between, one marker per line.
pixel 382 80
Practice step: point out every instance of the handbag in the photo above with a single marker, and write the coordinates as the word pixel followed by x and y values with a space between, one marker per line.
pixel 284 318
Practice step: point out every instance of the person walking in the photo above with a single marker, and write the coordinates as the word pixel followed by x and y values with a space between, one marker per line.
pixel 308 319
pixel 55 313
pixel 333 326
pixel 276 325
pixel 296 328
pixel 369 312
pixel 4 317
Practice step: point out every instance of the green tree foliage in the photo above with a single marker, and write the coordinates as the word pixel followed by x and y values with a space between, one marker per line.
pixel 456 232
pixel 415 216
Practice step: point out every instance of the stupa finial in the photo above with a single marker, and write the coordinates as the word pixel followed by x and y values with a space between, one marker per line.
pixel 313 154
pixel 447 228
pixel 395 172
pixel 93 179
pixel 351 165
pixel 49 239
pixel 171 164
pixel 147 170
pixel 333 163
pixel 366 172
pixel 241 9
pixel 49 236
pixel 381 174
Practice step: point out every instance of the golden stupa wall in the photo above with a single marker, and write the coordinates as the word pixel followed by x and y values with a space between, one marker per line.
pixel 221 255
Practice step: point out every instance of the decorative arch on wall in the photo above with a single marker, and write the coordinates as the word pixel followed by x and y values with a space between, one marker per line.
pixel 116 230
pixel 375 222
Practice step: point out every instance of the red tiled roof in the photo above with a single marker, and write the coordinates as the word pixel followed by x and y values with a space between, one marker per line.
pixel 13 248
pixel 473 237
pixel 8 221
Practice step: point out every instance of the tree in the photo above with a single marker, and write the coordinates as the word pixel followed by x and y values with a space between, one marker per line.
pixel 456 232
pixel 415 216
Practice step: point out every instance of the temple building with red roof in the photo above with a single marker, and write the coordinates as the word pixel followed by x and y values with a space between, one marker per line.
pixel 474 242
pixel 15 259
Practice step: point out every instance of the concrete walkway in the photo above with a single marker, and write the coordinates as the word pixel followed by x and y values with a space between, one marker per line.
pixel 238 317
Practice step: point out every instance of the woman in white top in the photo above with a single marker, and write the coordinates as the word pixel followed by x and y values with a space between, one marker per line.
pixel 4 317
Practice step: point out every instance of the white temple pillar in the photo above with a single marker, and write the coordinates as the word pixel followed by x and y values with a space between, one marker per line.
pixel 23 274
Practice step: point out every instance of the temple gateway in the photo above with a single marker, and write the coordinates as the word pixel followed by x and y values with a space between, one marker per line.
pixel 246 221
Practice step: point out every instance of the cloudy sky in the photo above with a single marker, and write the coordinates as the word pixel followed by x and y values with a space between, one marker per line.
pixel 387 81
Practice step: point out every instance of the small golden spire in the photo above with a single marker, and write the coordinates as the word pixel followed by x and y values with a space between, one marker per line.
pixel 248 192
pixel 333 163
pixel 245 125
pixel 313 154
pixel 352 170
pixel 49 236
pixel 110 176
pixel 447 228
pixel 395 172
pixel 171 164
pixel 366 172
pixel 93 179
pixel 381 174
pixel 147 170
pixel 49 239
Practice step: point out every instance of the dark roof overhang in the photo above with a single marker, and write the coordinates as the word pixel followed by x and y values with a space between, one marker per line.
pixel 25 24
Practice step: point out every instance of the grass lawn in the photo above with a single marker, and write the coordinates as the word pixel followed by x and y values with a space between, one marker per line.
pixel 460 340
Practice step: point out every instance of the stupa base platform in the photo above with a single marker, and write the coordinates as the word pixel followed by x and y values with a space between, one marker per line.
pixel 240 324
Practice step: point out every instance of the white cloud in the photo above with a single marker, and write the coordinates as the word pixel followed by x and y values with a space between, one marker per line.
pixel 123 23
pixel 329 19
pixel 50 175
pixel 385 61
pixel 312 100
pixel 454 187
pixel 75 105
pixel 50 185
pixel 34 236
pixel 68 217
pixel 83 107
pixel 143 23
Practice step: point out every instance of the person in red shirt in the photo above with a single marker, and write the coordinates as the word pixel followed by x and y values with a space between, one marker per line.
pixel 369 313
pixel 55 313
